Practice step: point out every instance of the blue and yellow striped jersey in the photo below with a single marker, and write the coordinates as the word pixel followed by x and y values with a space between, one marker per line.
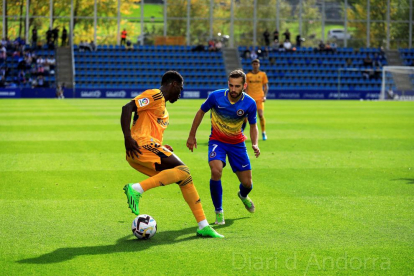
pixel 227 118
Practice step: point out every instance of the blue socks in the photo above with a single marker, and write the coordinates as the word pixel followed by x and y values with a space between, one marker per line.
pixel 216 192
pixel 245 191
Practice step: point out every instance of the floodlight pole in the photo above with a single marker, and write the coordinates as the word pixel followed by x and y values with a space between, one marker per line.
pixel 142 23
pixel 368 22
pixel 255 23
pixel 165 18
pixel 4 18
pixel 323 20
pixel 51 14
pixel 232 24
pixel 27 21
pixel 211 18
pixel 94 22
pixel 188 21
pixel 118 35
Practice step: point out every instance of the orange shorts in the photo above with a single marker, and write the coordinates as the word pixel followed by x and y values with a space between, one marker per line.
pixel 259 103
pixel 151 154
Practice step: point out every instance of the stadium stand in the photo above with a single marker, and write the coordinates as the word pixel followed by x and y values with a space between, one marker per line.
pixel 407 55
pixel 116 67
pixel 20 68
pixel 307 69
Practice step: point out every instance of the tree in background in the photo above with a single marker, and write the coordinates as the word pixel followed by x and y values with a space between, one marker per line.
pixel 378 30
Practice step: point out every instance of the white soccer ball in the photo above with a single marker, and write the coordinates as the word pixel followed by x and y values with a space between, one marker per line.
pixel 144 227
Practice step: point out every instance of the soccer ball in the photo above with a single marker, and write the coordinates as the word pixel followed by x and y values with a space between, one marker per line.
pixel 144 227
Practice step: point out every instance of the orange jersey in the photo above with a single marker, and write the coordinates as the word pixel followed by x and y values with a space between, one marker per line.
pixel 255 83
pixel 152 117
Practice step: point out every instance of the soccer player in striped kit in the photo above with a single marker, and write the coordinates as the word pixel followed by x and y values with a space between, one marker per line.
pixel 229 109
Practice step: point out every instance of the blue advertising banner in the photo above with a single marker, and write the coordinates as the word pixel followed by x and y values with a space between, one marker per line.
pixel 10 93
pixel 188 94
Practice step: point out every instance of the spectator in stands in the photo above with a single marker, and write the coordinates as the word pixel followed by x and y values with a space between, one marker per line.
pixel 348 62
pixel 321 47
pixel 287 45
pixel 83 45
pixel 123 37
pixel 276 36
pixel 51 61
pixel 34 37
pixel 55 36
pixel 41 82
pixel 253 54
pixel 376 61
pixel 3 53
pixel 266 36
pixel 211 45
pixel 219 45
pixel 92 46
pixel 367 61
pixel 298 41
pixel 4 42
pixel 198 48
pixel 129 45
pixel 287 35
pixel 21 78
pixel 64 36
pixel 49 35
pixel 246 54
pixel 333 46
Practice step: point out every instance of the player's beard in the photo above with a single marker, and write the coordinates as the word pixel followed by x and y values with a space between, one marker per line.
pixel 233 93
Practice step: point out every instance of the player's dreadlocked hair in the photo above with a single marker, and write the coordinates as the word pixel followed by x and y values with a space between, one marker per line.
pixel 171 76
pixel 238 73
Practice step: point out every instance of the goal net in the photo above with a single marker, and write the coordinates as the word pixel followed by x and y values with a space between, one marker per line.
pixel 397 83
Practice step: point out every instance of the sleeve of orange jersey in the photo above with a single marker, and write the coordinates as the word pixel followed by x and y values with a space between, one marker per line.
pixel 265 80
pixel 145 100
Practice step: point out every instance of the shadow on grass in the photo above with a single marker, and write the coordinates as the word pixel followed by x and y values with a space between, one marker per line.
pixel 409 180
pixel 125 244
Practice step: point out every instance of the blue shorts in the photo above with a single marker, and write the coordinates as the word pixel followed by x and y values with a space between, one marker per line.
pixel 237 154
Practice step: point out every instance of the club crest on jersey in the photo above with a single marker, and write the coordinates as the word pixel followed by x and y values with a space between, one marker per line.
pixel 240 112
pixel 143 102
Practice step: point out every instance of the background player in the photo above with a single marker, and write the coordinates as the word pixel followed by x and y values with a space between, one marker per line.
pixel 257 87
pixel 229 108
pixel 146 154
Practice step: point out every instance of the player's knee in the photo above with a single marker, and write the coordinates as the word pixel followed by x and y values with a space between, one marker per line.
pixel 247 183
pixel 216 173
pixel 185 175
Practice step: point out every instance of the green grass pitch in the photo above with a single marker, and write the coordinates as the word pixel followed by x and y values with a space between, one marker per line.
pixel 333 188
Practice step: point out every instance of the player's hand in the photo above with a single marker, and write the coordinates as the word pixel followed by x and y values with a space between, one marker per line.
pixel 191 143
pixel 264 99
pixel 256 150
pixel 131 147
pixel 168 147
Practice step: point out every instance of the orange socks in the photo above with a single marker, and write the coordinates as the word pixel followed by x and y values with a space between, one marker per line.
pixel 263 124
pixel 166 177
pixel 190 195
pixel 180 175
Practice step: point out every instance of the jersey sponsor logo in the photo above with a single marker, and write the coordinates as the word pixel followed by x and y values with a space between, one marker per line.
pixel 143 102
pixel 240 112
pixel 162 122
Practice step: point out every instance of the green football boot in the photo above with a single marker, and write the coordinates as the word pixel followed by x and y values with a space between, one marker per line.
pixel 220 218
pixel 248 203
pixel 208 231
pixel 133 198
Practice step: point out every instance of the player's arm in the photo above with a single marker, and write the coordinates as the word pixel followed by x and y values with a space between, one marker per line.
pixel 131 146
pixel 191 141
pixel 254 138
pixel 265 90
